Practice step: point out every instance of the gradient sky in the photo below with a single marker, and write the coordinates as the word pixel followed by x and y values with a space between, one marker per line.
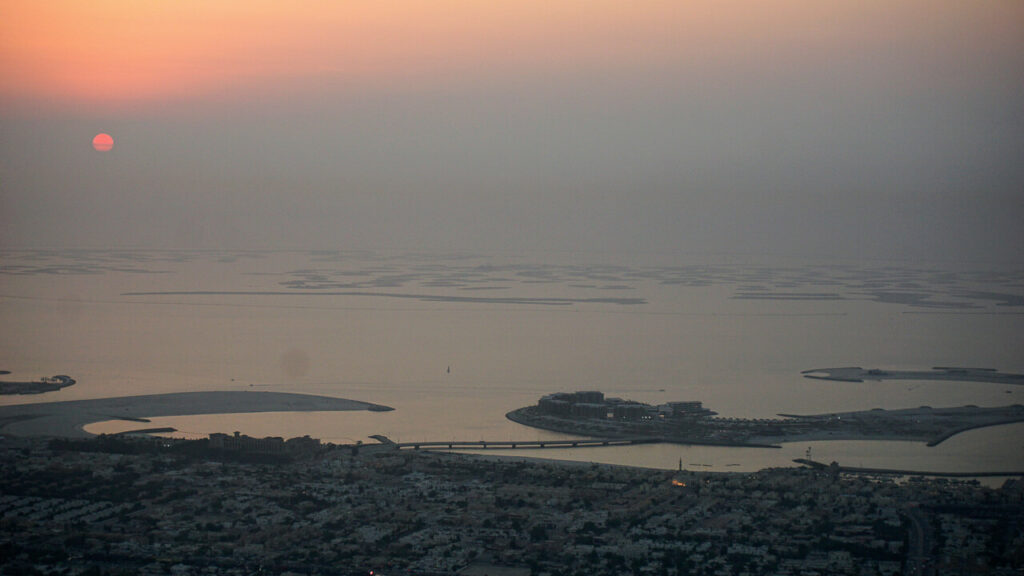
pixel 864 129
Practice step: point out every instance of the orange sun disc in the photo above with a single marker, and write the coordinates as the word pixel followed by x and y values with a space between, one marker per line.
pixel 102 142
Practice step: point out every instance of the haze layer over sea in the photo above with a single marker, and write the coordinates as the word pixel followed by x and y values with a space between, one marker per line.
pixel 453 342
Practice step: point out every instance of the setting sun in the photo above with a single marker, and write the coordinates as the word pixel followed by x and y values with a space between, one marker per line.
pixel 103 142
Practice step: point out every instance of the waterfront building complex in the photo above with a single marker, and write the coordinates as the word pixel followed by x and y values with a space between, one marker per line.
pixel 593 404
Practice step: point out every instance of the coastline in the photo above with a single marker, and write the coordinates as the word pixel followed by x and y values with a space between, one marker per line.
pixel 827 436
pixel 840 469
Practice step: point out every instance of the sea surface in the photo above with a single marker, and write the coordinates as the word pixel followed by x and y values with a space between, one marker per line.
pixel 453 342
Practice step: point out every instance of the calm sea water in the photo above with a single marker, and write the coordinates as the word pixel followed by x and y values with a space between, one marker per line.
pixel 454 342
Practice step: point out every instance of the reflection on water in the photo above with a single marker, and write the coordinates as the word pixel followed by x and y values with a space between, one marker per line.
pixel 731 332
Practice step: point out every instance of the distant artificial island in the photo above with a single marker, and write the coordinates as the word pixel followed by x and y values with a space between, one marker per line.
pixel 955 373
pixel 43 385
pixel 602 420
pixel 69 418
pixel 590 413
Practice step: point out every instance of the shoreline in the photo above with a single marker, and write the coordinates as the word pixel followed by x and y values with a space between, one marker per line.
pixel 836 467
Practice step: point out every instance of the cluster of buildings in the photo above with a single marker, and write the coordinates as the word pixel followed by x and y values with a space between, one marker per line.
pixel 593 404
pixel 238 442
pixel 338 511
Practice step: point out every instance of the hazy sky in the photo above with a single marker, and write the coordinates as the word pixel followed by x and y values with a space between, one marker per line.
pixel 854 128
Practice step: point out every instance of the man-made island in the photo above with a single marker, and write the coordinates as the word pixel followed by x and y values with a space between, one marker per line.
pixel 590 413
pixel 69 418
pixel 955 373
pixel 40 386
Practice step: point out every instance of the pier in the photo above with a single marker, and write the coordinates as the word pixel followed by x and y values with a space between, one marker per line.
pixel 523 444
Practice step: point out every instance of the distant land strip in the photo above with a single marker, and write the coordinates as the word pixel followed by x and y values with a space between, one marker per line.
pixel 787 296
pixel 958 313
pixel 69 418
pixel 954 373
pixel 420 297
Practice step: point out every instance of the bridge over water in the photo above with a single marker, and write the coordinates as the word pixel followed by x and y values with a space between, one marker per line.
pixel 520 444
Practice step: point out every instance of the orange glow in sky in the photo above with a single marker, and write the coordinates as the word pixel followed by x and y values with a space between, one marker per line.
pixel 110 51
pixel 168 49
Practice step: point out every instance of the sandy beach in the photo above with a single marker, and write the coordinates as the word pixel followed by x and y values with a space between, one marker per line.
pixel 68 419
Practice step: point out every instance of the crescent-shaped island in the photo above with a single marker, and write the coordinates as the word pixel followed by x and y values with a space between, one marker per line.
pixel 69 418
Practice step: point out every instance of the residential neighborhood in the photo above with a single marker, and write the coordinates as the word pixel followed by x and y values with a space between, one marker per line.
pixel 116 505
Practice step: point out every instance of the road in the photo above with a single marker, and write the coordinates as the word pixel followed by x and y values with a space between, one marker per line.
pixel 919 543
